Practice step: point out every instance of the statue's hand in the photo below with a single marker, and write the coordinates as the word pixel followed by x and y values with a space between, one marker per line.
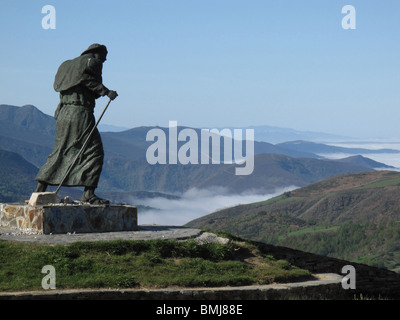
pixel 112 94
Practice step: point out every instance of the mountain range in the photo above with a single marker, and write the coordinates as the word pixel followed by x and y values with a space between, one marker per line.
pixel 30 133
pixel 277 135
pixel 319 148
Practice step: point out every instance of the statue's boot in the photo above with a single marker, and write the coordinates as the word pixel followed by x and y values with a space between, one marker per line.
pixel 89 196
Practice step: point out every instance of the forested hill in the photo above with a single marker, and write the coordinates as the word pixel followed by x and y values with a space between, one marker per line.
pixel 353 217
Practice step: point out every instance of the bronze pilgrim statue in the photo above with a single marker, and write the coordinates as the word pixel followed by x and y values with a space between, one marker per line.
pixel 80 83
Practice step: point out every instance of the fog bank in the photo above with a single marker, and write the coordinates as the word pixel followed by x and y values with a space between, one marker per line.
pixel 196 203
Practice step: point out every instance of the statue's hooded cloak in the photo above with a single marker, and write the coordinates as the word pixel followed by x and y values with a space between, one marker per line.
pixel 79 82
pixel 83 68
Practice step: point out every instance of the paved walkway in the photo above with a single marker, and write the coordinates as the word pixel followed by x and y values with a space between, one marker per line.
pixel 325 286
pixel 145 232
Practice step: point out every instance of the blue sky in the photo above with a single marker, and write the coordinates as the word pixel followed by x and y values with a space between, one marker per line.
pixel 216 63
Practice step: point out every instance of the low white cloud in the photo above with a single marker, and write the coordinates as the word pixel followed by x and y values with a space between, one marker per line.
pixel 390 159
pixel 196 203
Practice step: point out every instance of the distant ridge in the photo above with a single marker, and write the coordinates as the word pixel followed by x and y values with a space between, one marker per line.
pixel 276 135
pixel 319 148
pixel 111 128
pixel 360 160
pixel 27 131
pixel 21 122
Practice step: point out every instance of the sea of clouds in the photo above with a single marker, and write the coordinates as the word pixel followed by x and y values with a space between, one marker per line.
pixel 196 203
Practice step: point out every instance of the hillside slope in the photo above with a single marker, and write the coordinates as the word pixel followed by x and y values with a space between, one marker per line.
pixel 353 217
pixel 16 177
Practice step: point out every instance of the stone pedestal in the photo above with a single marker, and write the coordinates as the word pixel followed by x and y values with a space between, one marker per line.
pixel 64 218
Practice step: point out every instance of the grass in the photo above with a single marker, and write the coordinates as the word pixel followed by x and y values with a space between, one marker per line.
pixel 280 198
pixel 391 178
pixel 303 231
pixel 381 183
pixel 130 264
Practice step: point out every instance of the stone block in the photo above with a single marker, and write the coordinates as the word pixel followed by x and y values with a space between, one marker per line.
pixel 43 198
pixel 63 218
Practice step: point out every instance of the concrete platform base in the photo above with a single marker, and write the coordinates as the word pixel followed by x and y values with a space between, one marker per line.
pixel 65 218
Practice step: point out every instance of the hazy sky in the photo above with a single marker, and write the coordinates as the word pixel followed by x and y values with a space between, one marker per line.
pixel 216 63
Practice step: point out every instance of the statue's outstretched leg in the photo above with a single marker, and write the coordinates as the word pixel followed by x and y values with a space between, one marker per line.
pixel 41 187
